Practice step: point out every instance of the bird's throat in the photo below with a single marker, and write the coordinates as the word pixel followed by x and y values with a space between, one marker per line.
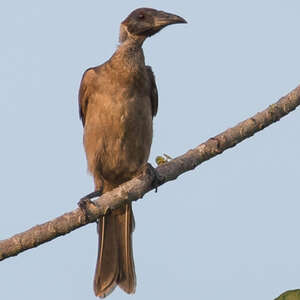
pixel 129 56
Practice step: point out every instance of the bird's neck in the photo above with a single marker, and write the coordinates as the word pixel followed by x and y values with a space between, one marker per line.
pixel 129 56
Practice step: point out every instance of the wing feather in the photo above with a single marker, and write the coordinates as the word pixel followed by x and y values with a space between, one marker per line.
pixel 85 92
pixel 154 93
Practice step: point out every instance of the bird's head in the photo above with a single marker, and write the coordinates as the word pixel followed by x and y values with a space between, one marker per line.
pixel 145 22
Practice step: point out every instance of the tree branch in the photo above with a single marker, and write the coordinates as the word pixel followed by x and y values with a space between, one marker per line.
pixel 137 187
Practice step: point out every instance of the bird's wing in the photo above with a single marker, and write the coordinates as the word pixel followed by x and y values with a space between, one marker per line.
pixel 154 94
pixel 85 91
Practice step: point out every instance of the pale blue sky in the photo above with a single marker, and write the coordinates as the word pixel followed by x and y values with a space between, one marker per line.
pixel 229 229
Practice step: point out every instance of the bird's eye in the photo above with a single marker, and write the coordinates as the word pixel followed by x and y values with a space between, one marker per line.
pixel 141 16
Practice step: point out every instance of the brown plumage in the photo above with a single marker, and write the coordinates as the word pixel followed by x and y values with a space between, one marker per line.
pixel 117 102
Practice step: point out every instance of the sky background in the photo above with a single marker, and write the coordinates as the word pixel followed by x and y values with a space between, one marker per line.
pixel 227 230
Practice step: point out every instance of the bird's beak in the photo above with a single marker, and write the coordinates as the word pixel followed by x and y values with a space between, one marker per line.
pixel 163 19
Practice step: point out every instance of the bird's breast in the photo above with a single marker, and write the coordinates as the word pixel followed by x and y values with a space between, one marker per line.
pixel 119 127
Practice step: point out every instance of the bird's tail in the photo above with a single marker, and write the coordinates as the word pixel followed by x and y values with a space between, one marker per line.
pixel 115 265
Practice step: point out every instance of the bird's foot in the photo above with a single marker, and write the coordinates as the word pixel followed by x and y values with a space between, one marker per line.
pixel 86 204
pixel 94 194
pixel 150 171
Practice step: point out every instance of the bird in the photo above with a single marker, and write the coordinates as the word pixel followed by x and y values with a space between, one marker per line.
pixel 117 102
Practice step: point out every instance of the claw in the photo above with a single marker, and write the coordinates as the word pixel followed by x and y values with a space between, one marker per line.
pixel 150 171
pixel 85 202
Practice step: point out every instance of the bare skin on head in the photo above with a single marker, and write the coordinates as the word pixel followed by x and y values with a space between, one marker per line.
pixel 117 102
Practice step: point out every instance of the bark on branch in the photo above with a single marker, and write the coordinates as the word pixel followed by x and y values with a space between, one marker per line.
pixel 137 187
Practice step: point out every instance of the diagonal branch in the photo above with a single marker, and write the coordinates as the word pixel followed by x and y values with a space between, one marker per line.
pixel 137 187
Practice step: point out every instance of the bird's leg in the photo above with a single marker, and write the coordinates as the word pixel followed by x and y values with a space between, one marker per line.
pixel 94 194
pixel 148 170
pixel 86 202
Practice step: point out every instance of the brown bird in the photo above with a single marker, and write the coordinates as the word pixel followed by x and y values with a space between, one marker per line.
pixel 117 102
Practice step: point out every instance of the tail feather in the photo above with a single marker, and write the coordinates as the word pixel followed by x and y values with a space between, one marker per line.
pixel 107 267
pixel 127 278
pixel 115 265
